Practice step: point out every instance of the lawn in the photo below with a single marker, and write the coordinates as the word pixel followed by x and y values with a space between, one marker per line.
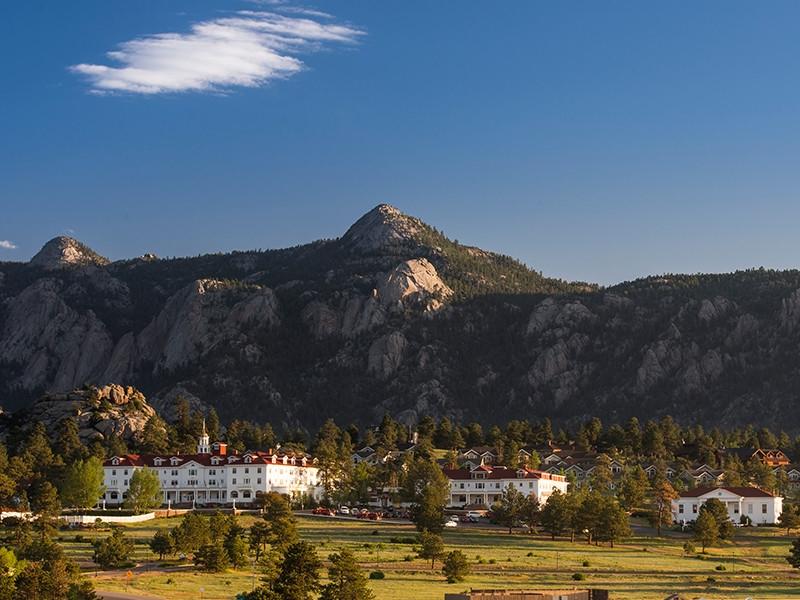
pixel 643 568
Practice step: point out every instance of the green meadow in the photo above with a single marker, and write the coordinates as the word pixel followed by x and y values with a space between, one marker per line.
pixel 644 567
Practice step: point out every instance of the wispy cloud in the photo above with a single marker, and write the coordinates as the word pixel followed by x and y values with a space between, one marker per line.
pixel 248 49
pixel 7 245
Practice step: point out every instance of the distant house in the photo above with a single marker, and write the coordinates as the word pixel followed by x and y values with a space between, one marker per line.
pixel 484 485
pixel 704 475
pixel 773 457
pixel 760 506
pixel 651 471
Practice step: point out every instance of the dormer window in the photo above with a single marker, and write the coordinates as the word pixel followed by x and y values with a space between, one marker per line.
pixel 285 460
pixel 274 459
pixel 115 461
pixel 174 460
pixel 157 461
pixel 520 473
pixel 248 459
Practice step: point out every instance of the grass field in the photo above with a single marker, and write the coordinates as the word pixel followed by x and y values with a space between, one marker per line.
pixel 643 568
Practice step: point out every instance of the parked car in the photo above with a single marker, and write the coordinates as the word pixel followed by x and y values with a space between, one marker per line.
pixel 451 523
pixel 374 516
pixel 474 516
pixel 344 510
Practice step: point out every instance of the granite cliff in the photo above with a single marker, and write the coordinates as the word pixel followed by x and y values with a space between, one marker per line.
pixel 393 316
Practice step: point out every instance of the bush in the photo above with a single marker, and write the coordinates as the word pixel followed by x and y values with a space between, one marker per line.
pixel 688 547
pixel 377 575
pixel 586 563
pixel 492 561
pixel 710 579
pixel 720 568
pixel 408 558
pixel 529 554
pixel 456 567
pixel 578 576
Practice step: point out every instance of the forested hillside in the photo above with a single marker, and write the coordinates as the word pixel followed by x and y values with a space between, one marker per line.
pixel 395 317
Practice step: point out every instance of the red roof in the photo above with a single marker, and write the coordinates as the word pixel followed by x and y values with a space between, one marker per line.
pixel 746 492
pixel 499 472
pixel 256 458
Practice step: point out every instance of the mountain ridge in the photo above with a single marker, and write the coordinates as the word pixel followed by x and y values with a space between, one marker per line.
pixel 393 316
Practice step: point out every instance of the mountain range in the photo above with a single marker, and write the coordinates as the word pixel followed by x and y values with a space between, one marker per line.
pixel 395 317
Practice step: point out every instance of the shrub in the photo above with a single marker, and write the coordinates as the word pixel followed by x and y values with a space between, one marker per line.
pixel 586 563
pixel 529 554
pixel 377 575
pixel 688 547
pixel 720 568
pixel 492 561
pixel 578 576
pixel 408 558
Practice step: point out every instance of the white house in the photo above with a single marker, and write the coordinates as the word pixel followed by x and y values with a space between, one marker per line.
pixel 484 485
pixel 760 506
pixel 214 476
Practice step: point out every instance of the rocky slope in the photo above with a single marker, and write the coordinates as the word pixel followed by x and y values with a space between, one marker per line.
pixel 393 316
pixel 100 413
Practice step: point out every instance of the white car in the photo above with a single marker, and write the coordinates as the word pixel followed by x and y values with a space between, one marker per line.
pixel 451 524
pixel 344 510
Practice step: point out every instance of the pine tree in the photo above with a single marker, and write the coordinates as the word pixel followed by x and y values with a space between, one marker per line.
pixel 456 566
pixel 431 546
pixel 706 529
pixel 347 581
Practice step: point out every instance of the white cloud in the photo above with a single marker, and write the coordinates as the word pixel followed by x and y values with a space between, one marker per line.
pixel 248 49
pixel 7 245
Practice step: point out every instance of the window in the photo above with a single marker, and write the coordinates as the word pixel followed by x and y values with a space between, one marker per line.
pixel 174 472
pixel 233 470
pixel 212 471
pixel 694 509
pixel 247 481
pixel 478 486
pixel 113 471
pixel 173 482
pixel 680 508
pixel 461 486
pixel 259 469
pixel 233 481
pixel 192 471
pixel 212 482
pixel 763 509
pixel 749 509
pixel 259 480
pixel 113 482
pixel 246 470
pixel 126 471
pixel 125 482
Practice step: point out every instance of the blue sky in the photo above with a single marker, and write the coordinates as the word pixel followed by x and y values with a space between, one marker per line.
pixel 594 140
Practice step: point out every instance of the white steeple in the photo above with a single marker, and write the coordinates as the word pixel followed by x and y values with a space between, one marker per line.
pixel 204 446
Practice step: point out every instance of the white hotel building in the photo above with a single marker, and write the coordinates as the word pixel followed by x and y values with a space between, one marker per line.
pixel 484 484
pixel 762 508
pixel 213 476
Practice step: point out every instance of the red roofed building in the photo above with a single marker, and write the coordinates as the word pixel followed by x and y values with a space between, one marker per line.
pixel 213 476
pixel 484 484
pixel 759 506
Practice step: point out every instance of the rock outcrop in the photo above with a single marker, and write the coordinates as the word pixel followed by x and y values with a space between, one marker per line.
pixel 62 252
pixel 100 412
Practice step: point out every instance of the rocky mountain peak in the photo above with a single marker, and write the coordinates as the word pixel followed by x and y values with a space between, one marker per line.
pixel 382 227
pixel 63 251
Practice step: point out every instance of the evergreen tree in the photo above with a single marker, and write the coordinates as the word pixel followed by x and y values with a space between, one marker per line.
pixel 633 488
pixel 298 577
pixel 162 544
pixel 431 546
pixel 114 551
pixel 347 581
pixel 790 517
pixel 508 510
pixel 706 529
pixel 663 495
pixel 720 513
pixel 456 566
pixel 794 554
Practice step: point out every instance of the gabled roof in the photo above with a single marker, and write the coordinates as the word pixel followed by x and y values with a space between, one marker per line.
pixel 745 492
pixel 499 472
